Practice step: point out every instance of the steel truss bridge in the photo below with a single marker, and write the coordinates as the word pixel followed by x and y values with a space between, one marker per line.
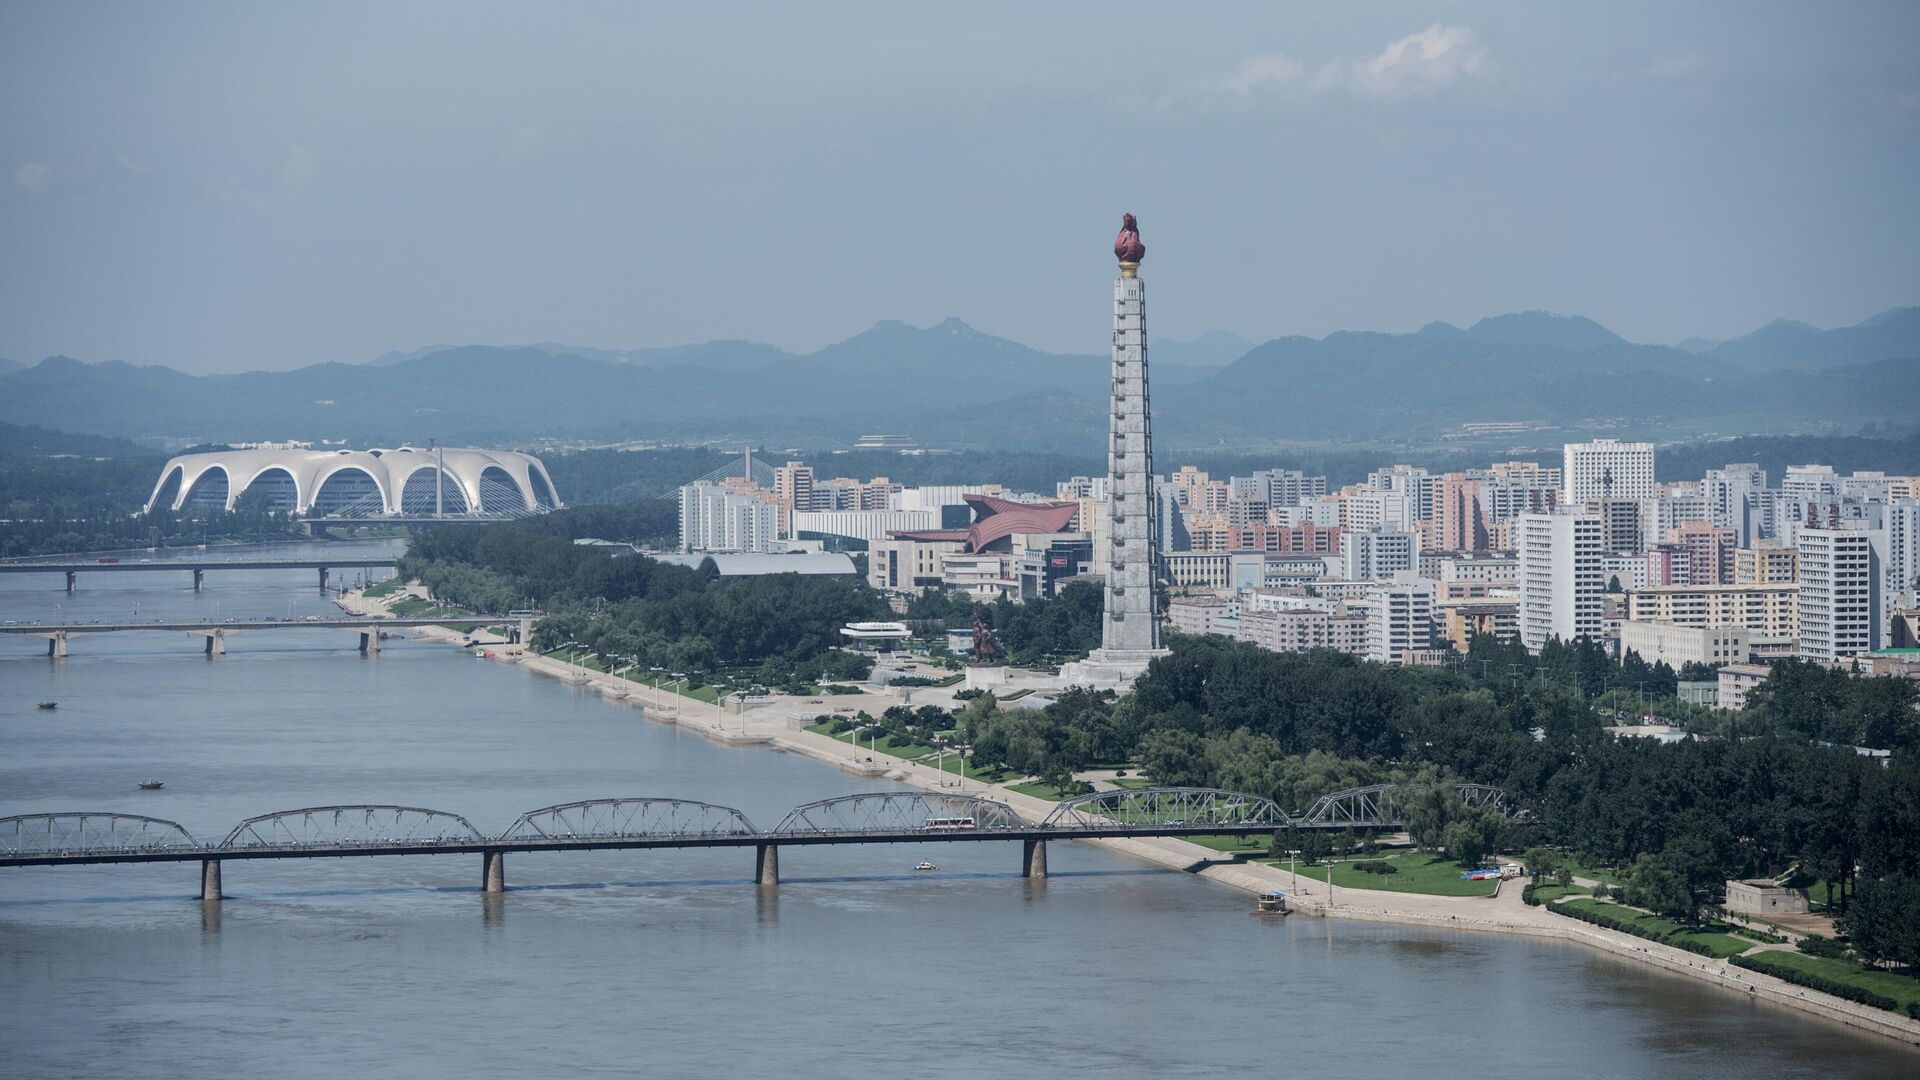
pixel 74 568
pixel 77 838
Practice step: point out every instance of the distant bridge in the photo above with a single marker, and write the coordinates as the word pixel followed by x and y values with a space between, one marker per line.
pixel 325 832
pixel 73 569
pixel 59 635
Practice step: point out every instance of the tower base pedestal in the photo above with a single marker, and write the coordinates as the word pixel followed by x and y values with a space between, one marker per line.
pixel 1109 669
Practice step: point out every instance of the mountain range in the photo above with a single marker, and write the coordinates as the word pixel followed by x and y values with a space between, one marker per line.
pixel 952 385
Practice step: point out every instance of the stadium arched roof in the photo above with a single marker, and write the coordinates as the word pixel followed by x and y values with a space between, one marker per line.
pixel 361 483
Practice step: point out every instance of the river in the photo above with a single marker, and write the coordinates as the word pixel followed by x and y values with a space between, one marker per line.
pixel 671 963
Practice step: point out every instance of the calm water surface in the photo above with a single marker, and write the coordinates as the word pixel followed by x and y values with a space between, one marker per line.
pixel 671 963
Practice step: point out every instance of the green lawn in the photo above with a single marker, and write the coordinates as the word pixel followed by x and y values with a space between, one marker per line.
pixel 1902 988
pixel 1256 844
pixel 1038 789
pixel 386 588
pixel 1596 872
pixel 1432 875
pixel 1723 945
pixel 1131 782
pixel 1547 894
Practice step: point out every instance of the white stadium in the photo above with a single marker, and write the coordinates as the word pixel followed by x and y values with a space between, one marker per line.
pixel 361 483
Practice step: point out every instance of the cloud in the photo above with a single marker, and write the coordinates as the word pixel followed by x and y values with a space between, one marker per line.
pixel 132 166
pixel 298 170
pixel 33 176
pixel 1256 73
pixel 1420 65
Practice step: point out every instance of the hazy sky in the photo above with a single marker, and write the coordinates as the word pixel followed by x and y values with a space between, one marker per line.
pixel 267 185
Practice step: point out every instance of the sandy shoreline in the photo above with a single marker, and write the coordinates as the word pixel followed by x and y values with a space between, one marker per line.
pixel 781 726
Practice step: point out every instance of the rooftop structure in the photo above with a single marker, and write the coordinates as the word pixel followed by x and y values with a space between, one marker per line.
pixel 995 522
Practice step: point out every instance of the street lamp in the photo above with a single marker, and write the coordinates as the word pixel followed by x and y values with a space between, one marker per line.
pixel 1294 870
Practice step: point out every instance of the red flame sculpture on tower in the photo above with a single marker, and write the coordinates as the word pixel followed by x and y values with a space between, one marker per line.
pixel 1127 246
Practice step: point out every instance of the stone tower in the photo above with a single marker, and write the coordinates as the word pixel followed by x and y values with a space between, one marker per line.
pixel 1130 636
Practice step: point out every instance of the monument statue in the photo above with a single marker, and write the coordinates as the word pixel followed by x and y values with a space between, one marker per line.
pixel 986 652
pixel 1127 246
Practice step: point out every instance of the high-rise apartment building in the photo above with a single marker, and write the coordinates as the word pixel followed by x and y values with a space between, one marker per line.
pixel 1765 563
pixel 1399 620
pixel 1459 517
pixel 1561 577
pixel 793 485
pixel 1370 556
pixel 1607 469
pixel 717 518
pixel 1902 588
pixel 1839 608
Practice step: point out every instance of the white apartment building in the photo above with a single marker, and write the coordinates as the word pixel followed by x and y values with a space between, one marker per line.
pixel 1607 469
pixel 715 518
pixel 1399 620
pixel 1561 582
pixel 1840 610
pixel 1902 577
pixel 868 525
pixel 1764 611
pixel 1678 646
pixel 1298 631
pixel 1670 507
pixel 1364 510
pixel 1492 569
pixel 1369 556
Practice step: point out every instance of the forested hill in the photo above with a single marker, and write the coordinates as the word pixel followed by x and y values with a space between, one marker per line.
pixel 953 386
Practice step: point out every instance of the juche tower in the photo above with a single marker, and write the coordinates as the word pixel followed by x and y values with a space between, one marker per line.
pixel 1130 635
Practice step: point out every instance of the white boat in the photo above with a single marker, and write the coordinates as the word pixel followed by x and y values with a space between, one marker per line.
pixel 925 865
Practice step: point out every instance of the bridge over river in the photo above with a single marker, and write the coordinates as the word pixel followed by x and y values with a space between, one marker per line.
pixel 77 838
pixel 59 635
pixel 73 569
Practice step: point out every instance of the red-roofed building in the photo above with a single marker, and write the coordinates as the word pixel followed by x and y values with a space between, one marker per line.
pixel 916 558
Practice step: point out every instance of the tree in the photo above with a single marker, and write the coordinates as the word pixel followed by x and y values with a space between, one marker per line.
pixel 1884 921
pixel 1660 886
pixel 1701 852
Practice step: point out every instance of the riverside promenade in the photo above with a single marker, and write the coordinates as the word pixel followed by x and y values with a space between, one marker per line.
pixel 781 726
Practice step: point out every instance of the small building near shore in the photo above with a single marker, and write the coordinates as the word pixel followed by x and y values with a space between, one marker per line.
pixel 1762 897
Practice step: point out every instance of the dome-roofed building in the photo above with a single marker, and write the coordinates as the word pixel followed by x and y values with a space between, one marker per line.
pixel 361 483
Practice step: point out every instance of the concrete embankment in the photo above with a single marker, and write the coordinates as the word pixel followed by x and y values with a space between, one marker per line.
pixel 782 728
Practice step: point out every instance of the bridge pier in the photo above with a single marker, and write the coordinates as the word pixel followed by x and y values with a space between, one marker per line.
pixel 370 641
pixel 210 880
pixel 199 580
pixel 1033 858
pixel 766 864
pixel 216 642
pixel 73 579
pixel 323 579
pixel 494 873
pixel 57 645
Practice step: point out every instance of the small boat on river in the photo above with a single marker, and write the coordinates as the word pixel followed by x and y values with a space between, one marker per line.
pixel 152 785
pixel 925 865
pixel 1272 903
pixel 49 705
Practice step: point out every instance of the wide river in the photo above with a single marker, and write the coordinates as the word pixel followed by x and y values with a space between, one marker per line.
pixel 671 963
